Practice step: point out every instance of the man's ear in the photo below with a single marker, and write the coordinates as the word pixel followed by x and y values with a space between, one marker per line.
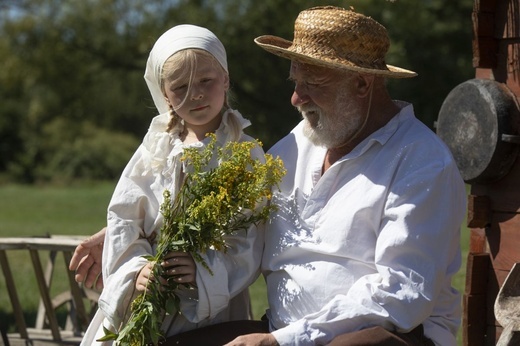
pixel 365 82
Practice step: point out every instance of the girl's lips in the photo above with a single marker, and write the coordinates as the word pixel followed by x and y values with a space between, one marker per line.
pixel 199 108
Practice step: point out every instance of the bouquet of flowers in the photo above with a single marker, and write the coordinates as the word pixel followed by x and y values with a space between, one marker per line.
pixel 211 204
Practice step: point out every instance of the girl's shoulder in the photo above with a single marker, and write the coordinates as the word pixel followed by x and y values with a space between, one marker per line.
pixel 159 123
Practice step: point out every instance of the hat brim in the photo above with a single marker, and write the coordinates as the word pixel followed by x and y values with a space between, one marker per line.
pixel 279 46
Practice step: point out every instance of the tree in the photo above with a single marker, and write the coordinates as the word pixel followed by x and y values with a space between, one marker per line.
pixel 72 71
pixel 431 37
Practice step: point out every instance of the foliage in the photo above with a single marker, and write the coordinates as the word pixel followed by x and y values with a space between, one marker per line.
pixel 83 62
pixel 211 204
pixel 91 153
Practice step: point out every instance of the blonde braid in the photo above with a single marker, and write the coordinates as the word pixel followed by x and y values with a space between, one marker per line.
pixel 174 120
pixel 235 128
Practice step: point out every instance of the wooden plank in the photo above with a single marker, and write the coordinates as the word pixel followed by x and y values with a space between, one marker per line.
pixel 497 56
pixel 77 296
pixel 484 44
pixel 44 338
pixel 477 240
pixel 484 5
pixel 485 50
pixel 483 24
pixel 13 295
pixel 503 237
pixel 55 243
pixel 49 270
pixel 474 320
pixel 45 295
pixel 477 271
pixel 507 19
pixel 475 299
pixel 513 65
pixel 479 211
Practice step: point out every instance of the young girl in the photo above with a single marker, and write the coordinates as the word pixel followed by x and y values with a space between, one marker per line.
pixel 188 79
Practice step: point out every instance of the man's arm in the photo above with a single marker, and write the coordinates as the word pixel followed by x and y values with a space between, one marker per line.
pixel 86 261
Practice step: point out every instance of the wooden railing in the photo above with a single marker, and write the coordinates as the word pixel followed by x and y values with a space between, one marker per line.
pixel 79 302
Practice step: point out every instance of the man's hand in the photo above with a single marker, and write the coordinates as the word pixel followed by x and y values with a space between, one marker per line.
pixel 86 261
pixel 256 339
pixel 180 266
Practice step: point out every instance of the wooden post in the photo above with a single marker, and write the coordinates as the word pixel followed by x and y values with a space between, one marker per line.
pixel 493 208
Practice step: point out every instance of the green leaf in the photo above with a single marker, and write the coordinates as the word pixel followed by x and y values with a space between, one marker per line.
pixel 109 335
pixel 149 257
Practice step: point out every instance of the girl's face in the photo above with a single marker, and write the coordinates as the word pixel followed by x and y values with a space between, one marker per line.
pixel 198 97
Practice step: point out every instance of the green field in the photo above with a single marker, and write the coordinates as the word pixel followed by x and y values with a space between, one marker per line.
pixel 79 210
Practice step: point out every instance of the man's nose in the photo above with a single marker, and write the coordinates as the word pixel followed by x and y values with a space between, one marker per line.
pixel 299 96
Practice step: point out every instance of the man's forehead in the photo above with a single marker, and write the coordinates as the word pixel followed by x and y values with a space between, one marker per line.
pixel 304 69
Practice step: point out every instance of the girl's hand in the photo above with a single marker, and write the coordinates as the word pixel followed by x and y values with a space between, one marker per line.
pixel 144 276
pixel 181 266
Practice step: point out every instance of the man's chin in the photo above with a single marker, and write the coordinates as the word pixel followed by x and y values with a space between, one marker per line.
pixel 313 136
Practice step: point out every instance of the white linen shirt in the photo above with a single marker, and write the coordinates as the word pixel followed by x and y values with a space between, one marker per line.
pixel 374 241
pixel 133 217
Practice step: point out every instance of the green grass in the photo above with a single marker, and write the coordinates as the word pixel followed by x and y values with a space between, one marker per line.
pixel 36 211
pixel 27 211
pixel 80 210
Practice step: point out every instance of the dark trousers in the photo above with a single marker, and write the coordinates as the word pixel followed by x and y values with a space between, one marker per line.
pixel 220 334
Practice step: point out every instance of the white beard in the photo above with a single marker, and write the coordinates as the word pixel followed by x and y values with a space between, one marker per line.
pixel 332 130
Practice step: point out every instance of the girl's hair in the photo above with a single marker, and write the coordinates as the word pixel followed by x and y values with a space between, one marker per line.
pixel 186 60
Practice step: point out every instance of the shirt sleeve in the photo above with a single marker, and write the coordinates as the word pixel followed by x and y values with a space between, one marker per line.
pixel 417 252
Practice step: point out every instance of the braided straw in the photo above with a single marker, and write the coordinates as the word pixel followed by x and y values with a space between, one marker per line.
pixel 338 38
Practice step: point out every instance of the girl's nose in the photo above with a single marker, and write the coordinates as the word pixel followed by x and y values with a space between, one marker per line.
pixel 196 93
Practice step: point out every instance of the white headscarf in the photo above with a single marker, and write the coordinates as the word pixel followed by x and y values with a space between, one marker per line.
pixel 178 38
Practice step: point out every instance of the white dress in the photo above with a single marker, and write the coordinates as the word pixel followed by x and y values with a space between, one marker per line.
pixel 133 219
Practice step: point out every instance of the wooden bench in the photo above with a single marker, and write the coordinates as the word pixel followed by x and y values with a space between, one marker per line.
pixel 47 330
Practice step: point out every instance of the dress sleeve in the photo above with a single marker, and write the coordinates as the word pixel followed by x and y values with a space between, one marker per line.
pixel 126 241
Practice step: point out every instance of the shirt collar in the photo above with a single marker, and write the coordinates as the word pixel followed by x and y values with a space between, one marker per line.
pixel 383 134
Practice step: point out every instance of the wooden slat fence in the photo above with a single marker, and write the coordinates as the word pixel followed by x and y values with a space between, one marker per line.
pixel 79 302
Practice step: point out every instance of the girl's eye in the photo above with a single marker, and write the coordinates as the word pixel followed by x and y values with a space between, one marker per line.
pixel 180 87
pixel 206 80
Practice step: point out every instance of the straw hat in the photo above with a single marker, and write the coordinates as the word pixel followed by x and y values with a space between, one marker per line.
pixel 338 38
